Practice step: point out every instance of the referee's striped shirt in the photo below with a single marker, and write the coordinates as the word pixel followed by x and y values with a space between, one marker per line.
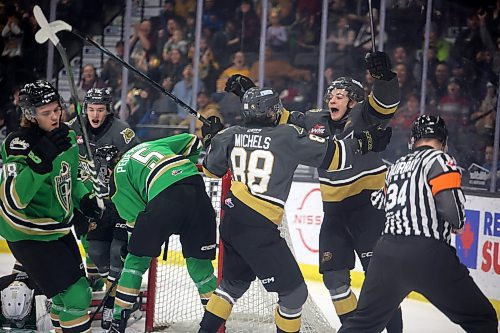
pixel 421 189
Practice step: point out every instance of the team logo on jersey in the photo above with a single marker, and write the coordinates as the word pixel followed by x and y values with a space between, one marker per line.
pixel 18 144
pixel 229 202
pixel 84 170
pixel 128 134
pixel 253 130
pixel 318 129
pixel 63 186
pixel 176 172
pixel 79 139
pixel 327 256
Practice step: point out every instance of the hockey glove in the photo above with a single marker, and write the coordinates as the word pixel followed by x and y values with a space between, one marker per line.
pixel 373 139
pixel 379 66
pixel 238 84
pixel 209 131
pixel 89 206
pixel 109 153
pixel 50 145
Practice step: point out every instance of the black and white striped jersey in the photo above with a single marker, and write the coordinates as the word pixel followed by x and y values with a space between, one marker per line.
pixel 422 195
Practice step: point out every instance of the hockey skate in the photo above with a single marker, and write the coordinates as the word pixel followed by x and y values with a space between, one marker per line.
pixel 107 317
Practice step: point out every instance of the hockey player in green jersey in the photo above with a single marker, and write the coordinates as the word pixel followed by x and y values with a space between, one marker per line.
pixel 38 191
pixel 105 237
pixel 159 192
pixel 350 224
pixel 262 158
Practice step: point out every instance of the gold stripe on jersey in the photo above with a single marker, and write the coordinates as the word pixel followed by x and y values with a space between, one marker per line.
pixel 208 173
pixel 335 193
pixel 14 195
pixel 287 324
pixel 346 305
pixel 284 117
pixel 335 163
pixel 75 322
pixel 264 208
pixel 189 147
pixel 163 170
pixel 219 306
pixel 380 107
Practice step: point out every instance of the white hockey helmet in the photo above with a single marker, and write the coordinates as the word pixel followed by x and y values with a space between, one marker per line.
pixel 17 300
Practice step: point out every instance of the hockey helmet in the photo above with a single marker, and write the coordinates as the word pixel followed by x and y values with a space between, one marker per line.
pixel 37 94
pixel 109 153
pixel 427 126
pixel 354 89
pixel 261 106
pixel 17 301
pixel 101 96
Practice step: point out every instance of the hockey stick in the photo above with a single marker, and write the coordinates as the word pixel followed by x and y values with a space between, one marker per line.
pixel 186 107
pixel 372 28
pixel 48 32
pixel 104 299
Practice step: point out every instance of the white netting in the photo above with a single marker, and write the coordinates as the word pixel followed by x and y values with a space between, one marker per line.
pixel 178 308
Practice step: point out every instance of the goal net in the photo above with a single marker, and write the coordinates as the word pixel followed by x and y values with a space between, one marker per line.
pixel 173 303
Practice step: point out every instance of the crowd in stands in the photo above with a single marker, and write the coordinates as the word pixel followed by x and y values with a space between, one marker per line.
pixel 462 78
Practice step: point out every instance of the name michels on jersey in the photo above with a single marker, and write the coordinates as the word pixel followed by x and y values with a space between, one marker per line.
pixel 252 141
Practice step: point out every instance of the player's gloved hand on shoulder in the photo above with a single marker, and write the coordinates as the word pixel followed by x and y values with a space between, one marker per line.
pixel 109 153
pixel 238 84
pixel 379 66
pixel 209 131
pixel 90 207
pixel 373 139
pixel 47 148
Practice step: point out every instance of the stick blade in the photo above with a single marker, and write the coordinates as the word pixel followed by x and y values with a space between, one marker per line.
pixel 48 30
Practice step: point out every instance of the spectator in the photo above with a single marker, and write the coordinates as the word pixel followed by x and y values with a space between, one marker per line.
pixel 453 108
pixel 276 34
pixel 441 46
pixel 488 157
pixel 406 83
pixel 249 26
pixel 142 41
pixel 210 19
pixel 484 118
pixel 89 79
pixel 167 13
pixel 238 67
pixel 12 35
pixel 341 38
pixel 176 41
pixel 111 72
pixel 184 90
pixel 209 70
pixel 441 78
pixel 206 108
pixel 306 30
pixel 173 63
pixel 225 43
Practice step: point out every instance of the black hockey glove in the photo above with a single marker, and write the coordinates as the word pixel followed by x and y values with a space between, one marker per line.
pixel 238 84
pixel 209 131
pixel 108 153
pixel 379 65
pixel 47 148
pixel 89 206
pixel 373 139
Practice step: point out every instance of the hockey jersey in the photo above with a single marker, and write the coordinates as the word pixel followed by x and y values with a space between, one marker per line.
pixel 113 132
pixel 262 161
pixel 37 206
pixel 366 172
pixel 149 168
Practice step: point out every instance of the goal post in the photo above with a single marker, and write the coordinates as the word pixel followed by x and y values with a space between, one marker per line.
pixel 173 303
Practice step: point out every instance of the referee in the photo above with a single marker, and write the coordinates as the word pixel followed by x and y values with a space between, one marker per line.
pixel 424 204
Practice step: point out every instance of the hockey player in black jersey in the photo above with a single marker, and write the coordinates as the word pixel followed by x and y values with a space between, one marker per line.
pixel 262 158
pixel 423 204
pixel 102 239
pixel 350 224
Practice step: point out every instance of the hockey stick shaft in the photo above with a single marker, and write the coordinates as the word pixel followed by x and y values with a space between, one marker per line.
pixel 372 28
pixel 142 75
pixel 104 299
pixel 48 32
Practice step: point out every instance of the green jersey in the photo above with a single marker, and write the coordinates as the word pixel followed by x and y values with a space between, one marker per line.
pixel 149 168
pixel 37 206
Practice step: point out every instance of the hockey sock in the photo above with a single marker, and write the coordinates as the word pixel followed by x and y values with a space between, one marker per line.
pixel 55 309
pixel 130 283
pixel 287 322
pixel 216 313
pixel 201 272
pixel 74 316
pixel 345 304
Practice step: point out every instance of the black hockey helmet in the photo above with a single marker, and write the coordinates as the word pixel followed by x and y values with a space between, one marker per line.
pixel 101 96
pixel 37 94
pixel 261 106
pixel 427 126
pixel 109 153
pixel 354 89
